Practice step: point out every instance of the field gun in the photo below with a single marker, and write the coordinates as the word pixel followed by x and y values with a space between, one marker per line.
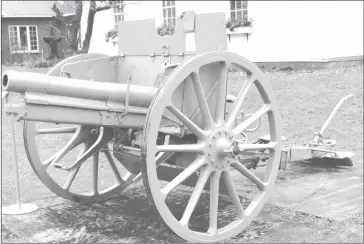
pixel 167 111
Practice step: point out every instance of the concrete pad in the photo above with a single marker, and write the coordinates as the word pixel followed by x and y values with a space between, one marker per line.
pixel 330 192
pixel 335 193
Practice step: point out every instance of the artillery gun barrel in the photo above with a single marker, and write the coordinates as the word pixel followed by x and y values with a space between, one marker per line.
pixel 21 82
pixel 63 100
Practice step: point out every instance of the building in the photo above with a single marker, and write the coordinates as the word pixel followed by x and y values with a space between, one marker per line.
pixel 25 26
pixel 280 30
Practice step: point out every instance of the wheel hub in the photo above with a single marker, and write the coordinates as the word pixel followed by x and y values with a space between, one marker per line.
pixel 217 144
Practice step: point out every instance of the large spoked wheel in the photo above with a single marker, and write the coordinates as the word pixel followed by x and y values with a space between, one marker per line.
pixel 99 183
pixel 214 138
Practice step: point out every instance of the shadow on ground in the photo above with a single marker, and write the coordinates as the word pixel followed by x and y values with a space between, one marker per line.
pixel 126 218
pixel 300 169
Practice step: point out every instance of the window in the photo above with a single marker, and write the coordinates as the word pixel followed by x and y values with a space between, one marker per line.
pixel 23 38
pixel 169 12
pixel 239 10
pixel 118 12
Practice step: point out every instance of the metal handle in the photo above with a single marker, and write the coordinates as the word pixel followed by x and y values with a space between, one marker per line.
pixel 327 122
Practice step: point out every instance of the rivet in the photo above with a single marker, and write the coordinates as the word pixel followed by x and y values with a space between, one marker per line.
pixel 209 154
pixel 210 145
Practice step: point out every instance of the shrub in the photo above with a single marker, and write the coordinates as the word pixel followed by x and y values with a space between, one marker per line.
pixel 165 30
pixel 44 63
pixel 233 23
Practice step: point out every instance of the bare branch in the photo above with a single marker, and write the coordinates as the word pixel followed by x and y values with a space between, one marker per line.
pixel 103 8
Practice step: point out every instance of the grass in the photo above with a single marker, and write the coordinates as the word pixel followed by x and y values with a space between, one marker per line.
pixel 304 98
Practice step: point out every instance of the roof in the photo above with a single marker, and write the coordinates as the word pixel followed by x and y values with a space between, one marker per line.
pixel 35 9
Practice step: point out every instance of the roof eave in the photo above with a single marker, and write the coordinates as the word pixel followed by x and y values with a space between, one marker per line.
pixel 27 16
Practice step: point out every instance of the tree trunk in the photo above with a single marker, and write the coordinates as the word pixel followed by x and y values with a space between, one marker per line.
pixel 90 25
pixel 75 26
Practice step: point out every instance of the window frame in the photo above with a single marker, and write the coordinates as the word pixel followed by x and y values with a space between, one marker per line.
pixel 169 19
pixel 116 13
pixel 28 39
pixel 243 8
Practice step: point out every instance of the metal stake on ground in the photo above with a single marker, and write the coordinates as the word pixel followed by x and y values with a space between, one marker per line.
pixel 17 208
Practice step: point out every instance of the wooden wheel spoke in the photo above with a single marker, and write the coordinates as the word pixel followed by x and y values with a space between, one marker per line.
pixel 113 166
pixel 214 201
pixel 77 139
pixel 162 157
pixel 195 165
pixel 104 137
pixel 95 172
pixel 73 172
pixel 201 182
pixel 46 163
pixel 129 178
pixel 249 174
pixel 249 121
pixel 221 94
pixel 71 178
pixel 63 130
pixel 159 159
pixel 229 183
pixel 186 121
pixel 202 101
pixel 239 101
pixel 199 148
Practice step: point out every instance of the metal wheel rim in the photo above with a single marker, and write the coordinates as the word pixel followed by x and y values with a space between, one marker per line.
pixel 35 162
pixel 149 147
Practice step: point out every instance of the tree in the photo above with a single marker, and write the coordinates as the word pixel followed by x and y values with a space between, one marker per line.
pixel 67 27
pixel 104 5
pixel 73 24
pixel 95 8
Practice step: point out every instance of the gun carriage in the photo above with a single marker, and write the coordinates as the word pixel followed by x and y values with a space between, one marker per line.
pixel 160 109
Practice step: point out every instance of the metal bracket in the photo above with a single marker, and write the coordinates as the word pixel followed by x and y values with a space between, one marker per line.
pixel 152 55
pixel 189 21
pixel 121 57
pixel 17 110
pixel 165 50
pixel 107 118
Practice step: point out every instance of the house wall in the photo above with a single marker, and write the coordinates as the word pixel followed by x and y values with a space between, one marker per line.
pixel 305 30
pixel 43 30
pixel 282 30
